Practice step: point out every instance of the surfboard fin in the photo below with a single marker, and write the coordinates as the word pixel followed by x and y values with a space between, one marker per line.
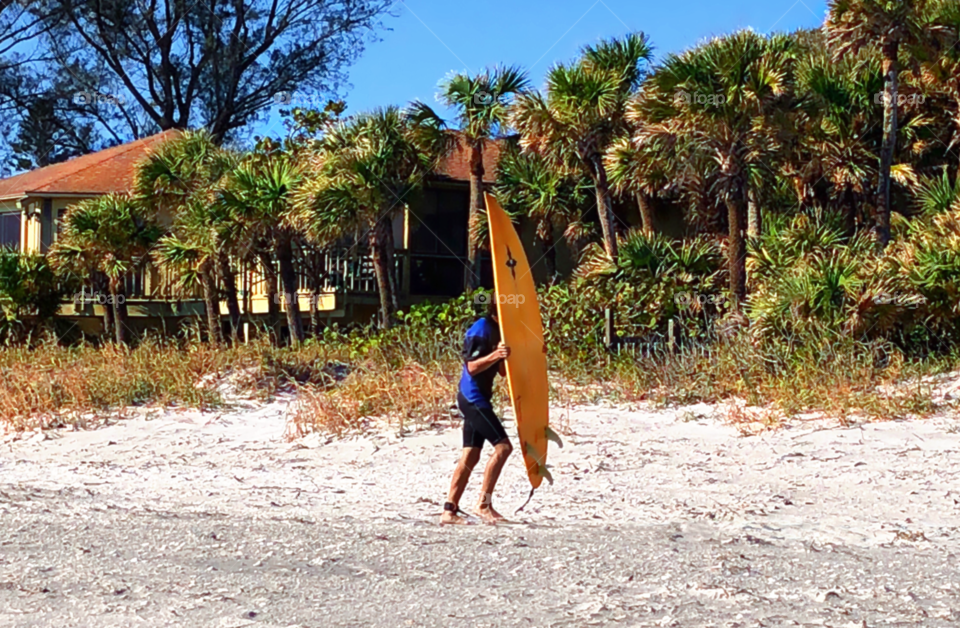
pixel 542 470
pixel 553 436
pixel 545 473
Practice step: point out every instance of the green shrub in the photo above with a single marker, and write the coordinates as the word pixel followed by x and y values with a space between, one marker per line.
pixel 29 287
pixel 655 280
pixel 806 276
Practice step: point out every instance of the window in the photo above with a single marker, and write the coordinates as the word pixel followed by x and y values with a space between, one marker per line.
pixel 438 222
pixel 10 230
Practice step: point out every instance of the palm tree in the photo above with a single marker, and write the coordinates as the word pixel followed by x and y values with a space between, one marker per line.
pixel 938 196
pixel 651 278
pixel 260 192
pixel 895 27
pixel 192 251
pixel 643 172
pixel 583 113
pixel 482 103
pixel 527 185
pixel 714 104
pixel 834 122
pixel 182 178
pixel 941 65
pixel 112 234
pixel 367 169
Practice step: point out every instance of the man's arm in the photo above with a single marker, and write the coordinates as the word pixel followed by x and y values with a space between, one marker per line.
pixel 502 352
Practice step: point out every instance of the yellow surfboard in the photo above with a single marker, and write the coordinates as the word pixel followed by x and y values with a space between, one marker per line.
pixel 521 328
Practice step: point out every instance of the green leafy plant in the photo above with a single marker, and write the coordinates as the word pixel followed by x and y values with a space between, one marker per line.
pixel 29 287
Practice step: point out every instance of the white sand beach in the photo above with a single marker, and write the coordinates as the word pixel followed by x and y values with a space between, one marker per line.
pixel 201 518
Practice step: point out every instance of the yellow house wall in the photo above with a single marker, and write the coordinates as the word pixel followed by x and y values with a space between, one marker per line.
pixel 60 207
pixel 30 228
pixel 255 303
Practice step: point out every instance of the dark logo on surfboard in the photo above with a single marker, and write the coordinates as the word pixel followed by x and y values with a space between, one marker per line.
pixel 511 263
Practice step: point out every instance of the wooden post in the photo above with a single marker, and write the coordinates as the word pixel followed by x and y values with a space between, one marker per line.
pixel 609 334
pixel 407 268
pixel 671 337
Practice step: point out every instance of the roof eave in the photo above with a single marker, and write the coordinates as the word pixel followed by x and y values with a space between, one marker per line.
pixel 20 196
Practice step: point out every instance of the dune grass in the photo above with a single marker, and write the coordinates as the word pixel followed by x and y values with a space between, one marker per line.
pixel 408 377
pixel 50 385
pixel 843 380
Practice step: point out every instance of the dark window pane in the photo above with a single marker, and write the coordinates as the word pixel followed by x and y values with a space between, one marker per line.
pixel 436 276
pixel 10 230
pixel 438 222
pixel 46 225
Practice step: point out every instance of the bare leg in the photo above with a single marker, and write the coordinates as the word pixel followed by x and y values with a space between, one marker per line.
pixel 461 475
pixel 501 451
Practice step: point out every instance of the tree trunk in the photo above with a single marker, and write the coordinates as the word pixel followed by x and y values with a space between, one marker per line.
pixel 124 317
pixel 101 285
pixel 754 220
pixel 471 276
pixel 891 72
pixel 605 208
pixel 849 204
pixel 211 300
pixel 381 247
pixel 119 311
pixel 273 297
pixel 313 269
pixel 737 246
pixel 230 287
pixel 647 213
pixel 550 254
pixel 389 259
pixel 315 312
pixel 288 277
pixel 956 121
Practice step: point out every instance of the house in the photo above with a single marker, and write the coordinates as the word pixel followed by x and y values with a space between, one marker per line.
pixel 32 202
pixel 430 235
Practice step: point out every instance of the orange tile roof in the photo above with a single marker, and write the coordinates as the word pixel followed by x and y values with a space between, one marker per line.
pixel 109 170
pixel 113 169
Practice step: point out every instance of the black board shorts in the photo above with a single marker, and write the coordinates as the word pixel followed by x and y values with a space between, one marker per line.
pixel 479 424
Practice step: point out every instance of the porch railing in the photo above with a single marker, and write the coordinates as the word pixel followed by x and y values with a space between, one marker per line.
pixel 150 282
pixel 337 272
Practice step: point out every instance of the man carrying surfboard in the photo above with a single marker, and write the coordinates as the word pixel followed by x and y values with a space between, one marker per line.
pixel 483 360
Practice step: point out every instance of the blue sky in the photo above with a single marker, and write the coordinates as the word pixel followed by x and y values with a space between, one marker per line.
pixel 429 39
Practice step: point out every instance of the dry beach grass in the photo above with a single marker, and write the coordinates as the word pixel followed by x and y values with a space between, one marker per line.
pixel 344 381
